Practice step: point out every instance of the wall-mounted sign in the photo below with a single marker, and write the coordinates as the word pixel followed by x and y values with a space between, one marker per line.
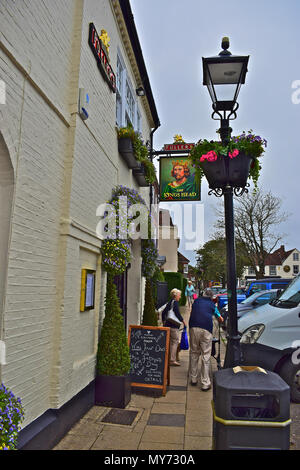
pixel 87 297
pixel 101 56
pixel 177 180
pixel 178 147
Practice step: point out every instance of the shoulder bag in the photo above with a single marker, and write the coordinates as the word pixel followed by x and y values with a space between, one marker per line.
pixel 171 317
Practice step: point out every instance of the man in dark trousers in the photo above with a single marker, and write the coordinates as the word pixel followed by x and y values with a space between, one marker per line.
pixel 200 330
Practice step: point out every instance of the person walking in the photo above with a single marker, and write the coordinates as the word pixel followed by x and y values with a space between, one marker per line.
pixel 174 328
pixel 200 330
pixel 189 292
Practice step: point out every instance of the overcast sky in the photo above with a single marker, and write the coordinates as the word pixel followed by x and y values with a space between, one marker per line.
pixel 175 35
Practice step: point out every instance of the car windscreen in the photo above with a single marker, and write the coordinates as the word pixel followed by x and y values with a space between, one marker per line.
pixel 291 296
pixel 249 299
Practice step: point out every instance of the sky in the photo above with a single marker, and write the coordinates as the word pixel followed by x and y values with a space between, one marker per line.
pixel 175 35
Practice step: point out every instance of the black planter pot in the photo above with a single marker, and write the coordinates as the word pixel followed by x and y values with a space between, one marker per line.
pixel 139 174
pixel 126 150
pixel 112 390
pixel 215 172
pixel 239 168
pixel 226 170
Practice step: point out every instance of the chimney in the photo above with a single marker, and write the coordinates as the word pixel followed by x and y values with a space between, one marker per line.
pixel 282 251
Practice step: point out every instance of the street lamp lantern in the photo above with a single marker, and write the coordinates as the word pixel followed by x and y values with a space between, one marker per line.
pixel 227 73
pixel 223 75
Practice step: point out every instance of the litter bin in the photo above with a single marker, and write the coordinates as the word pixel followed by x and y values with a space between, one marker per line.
pixel 251 410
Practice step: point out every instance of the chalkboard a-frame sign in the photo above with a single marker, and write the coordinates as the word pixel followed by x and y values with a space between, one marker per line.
pixel 149 356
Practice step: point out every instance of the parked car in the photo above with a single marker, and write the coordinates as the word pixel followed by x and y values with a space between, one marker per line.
pixel 223 298
pixel 266 284
pixel 270 337
pixel 253 301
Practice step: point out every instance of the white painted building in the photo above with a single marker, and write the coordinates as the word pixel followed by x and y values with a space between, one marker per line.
pixel 168 241
pixel 55 170
pixel 280 263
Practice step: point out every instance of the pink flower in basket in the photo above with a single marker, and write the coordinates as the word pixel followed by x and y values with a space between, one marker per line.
pixel 234 153
pixel 209 156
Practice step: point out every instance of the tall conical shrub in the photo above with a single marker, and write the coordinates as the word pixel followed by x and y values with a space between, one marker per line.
pixel 113 356
pixel 149 314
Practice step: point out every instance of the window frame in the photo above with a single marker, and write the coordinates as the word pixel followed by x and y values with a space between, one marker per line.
pixel 272 268
pixel 126 111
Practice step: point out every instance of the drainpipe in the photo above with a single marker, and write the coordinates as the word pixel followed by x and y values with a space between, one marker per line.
pixel 151 158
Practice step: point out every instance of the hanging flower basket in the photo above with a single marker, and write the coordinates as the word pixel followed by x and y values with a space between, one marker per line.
pixel 125 146
pixel 227 171
pixel 140 175
pixel 238 170
pixel 232 164
pixel 215 172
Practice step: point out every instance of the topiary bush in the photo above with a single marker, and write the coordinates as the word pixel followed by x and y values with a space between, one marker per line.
pixel 183 296
pixel 113 356
pixel 149 313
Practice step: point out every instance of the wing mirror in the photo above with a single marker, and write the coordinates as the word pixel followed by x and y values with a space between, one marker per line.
pixel 279 292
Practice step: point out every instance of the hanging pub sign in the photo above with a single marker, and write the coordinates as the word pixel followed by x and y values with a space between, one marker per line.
pixel 177 179
pixel 101 55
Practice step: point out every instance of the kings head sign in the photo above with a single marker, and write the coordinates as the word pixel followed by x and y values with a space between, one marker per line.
pixel 101 55
pixel 177 180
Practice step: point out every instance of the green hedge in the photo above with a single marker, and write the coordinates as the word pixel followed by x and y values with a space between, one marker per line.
pixel 174 280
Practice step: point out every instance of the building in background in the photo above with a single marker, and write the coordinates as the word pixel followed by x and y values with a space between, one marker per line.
pixel 280 263
pixel 58 162
pixel 183 265
pixel 168 241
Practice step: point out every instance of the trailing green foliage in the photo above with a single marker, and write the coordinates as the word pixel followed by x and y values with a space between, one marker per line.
pixel 113 356
pixel 140 151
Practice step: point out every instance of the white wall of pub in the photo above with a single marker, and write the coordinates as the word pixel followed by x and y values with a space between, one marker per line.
pixel 63 169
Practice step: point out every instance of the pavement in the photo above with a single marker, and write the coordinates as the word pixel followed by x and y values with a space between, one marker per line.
pixel 179 421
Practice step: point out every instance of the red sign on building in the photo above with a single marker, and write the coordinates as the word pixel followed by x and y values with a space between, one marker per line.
pixel 101 57
pixel 178 147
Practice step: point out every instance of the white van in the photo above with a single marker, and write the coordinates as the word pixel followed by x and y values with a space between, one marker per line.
pixel 270 337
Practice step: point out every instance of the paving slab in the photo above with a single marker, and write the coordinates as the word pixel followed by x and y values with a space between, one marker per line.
pixel 197 443
pixel 170 435
pixel 117 438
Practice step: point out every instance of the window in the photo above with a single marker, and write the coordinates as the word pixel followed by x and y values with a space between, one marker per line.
pixel 130 105
pixel 272 270
pixel 295 269
pixel 295 256
pixel 278 286
pixel 127 111
pixel 119 91
pixel 251 271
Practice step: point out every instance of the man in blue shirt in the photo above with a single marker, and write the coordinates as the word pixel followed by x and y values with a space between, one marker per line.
pixel 200 330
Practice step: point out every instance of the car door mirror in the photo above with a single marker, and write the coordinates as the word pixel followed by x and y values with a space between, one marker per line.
pixel 279 292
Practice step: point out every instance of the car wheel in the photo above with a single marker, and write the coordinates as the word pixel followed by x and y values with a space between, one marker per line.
pixel 290 373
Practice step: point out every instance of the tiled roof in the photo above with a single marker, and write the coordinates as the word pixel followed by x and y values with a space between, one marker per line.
pixel 278 256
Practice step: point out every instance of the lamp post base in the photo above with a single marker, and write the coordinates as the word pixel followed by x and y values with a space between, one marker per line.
pixel 233 352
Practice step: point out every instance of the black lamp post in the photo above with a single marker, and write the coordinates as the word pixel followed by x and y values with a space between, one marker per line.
pixel 228 72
